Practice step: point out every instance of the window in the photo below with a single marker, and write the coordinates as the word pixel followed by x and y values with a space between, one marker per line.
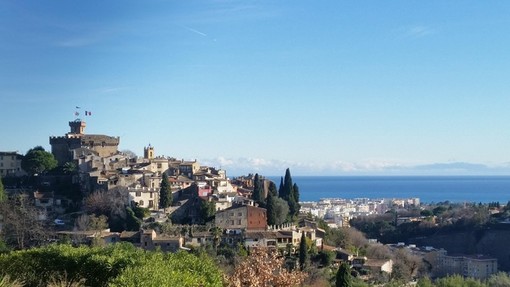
pixel 151 203
pixel 231 222
pixel 141 203
pixel 240 214
pixel 151 194
pixel 239 222
pixel 138 193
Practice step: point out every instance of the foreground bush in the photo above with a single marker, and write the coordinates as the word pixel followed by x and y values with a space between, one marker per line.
pixel 115 265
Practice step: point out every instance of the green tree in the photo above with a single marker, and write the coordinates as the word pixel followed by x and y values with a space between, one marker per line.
pixel 343 276
pixel 326 257
pixel 277 210
pixel 303 252
pixel 165 193
pixel 458 280
pixel 207 211
pixel 3 195
pixel 272 189
pixel 37 161
pixel 141 212
pixel 70 167
pixel 280 188
pixel 294 201
pixel 425 282
pixel 133 223
pixel 258 191
pixel 286 190
pixel 500 279
pixel 120 264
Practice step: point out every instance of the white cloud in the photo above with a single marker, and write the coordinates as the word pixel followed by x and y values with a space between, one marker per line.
pixel 238 166
pixel 418 31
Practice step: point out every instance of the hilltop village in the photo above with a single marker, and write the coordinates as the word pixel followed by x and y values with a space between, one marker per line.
pixel 87 192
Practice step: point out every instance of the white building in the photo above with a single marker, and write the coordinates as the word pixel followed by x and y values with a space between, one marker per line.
pixel 144 196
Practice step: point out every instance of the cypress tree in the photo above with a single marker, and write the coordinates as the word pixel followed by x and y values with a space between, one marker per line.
pixel 343 276
pixel 277 210
pixel 280 189
pixel 258 192
pixel 271 214
pixel 3 195
pixel 287 186
pixel 165 193
pixel 293 207
pixel 303 252
pixel 272 189
pixel 294 201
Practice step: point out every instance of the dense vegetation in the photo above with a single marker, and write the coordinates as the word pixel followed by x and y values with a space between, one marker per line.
pixel 115 265
pixel 436 218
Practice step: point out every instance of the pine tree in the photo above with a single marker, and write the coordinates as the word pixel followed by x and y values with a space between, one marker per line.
pixel 303 252
pixel 165 193
pixel 343 276
pixel 3 195
pixel 258 192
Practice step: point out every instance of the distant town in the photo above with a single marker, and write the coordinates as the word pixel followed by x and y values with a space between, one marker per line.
pixel 87 192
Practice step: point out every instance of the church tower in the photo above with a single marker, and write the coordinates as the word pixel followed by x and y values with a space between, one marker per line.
pixel 148 152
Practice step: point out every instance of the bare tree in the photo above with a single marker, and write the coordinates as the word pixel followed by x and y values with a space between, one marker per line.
pixel 378 251
pixel 111 203
pixel 406 264
pixel 264 268
pixel 21 227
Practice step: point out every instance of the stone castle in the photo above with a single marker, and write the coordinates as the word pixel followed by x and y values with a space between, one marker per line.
pixel 65 147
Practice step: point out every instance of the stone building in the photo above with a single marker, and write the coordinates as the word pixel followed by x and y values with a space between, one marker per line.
pixel 62 147
pixel 10 164
pixel 244 217
pixel 474 266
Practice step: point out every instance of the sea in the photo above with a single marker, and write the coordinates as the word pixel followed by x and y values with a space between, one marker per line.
pixel 430 189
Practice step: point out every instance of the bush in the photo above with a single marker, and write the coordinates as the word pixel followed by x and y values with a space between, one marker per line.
pixel 114 265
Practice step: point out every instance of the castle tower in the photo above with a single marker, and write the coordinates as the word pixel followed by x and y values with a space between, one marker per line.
pixel 148 152
pixel 63 147
pixel 77 127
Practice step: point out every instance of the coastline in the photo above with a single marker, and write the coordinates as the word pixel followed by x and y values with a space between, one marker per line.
pixel 428 188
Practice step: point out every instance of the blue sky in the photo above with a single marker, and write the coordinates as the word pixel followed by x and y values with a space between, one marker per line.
pixel 322 87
